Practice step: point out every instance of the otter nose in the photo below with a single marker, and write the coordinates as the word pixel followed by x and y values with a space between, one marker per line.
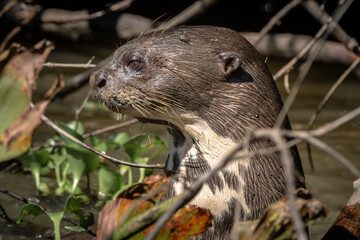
pixel 99 80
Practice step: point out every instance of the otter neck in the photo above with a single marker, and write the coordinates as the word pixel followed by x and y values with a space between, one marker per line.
pixel 192 155
pixel 203 144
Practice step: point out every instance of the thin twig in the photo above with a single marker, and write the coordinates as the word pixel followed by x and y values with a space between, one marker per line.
pixel 80 79
pixel 118 6
pixel 79 110
pixel 324 101
pixel 275 19
pixel 197 8
pixel 115 160
pixel 319 14
pixel 287 163
pixel 286 83
pixel 330 92
pixel 307 65
pixel 14 196
pixel 69 65
pixel 8 6
pixel 17 29
pixel 306 136
pixel 110 128
pixel 285 69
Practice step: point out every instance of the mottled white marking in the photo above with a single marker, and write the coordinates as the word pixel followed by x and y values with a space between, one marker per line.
pixel 214 148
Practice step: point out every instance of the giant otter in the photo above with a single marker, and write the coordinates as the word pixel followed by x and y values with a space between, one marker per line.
pixel 210 87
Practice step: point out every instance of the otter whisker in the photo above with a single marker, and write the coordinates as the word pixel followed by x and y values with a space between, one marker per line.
pixel 150 24
pixel 174 61
pixel 170 102
pixel 137 108
pixel 181 72
pixel 142 107
pixel 157 109
pixel 166 97
pixel 177 117
pixel 115 104
pixel 160 102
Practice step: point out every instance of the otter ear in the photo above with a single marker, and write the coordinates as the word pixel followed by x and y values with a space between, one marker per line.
pixel 231 66
pixel 229 63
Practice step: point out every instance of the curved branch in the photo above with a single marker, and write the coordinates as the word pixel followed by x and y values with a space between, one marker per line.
pixel 112 159
pixel 110 128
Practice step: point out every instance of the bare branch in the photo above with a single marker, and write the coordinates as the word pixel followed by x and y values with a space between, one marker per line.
pixel 110 128
pixel 61 16
pixel 275 19
pixel 79 110
pixel 317 12
pixel 197 8
pixel 8 6
pixel 17 29
pixel 307 65
pixel 330 92
pixel 324 101
pixel 69 65
pixel 289 172
pixel 112 159
pixel 285 69
pixel 80 79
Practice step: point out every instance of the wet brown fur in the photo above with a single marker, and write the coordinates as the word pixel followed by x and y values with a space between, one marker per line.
pixel 215 75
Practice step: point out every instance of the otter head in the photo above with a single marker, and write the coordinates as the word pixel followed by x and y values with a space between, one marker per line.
pixel 190 74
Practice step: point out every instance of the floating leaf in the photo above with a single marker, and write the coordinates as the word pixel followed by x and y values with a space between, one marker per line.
pixel 135 210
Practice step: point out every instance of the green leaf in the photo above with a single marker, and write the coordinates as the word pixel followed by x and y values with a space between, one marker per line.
pixel 17 81
pixel 73 205
pixel 75 229
pixel 120 138
pixel 77 126
pixel 35 210
pixel 110 181
pixel 141 144
pixel 72 132
pixel 81 162
pixel 29 209
pixel 13 100
pixel 96 106
pixel 36 162
pixel 99 144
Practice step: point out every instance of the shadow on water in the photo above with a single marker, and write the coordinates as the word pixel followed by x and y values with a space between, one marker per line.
pixel 330 182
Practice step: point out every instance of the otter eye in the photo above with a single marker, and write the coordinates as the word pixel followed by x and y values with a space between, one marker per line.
pixel 135 65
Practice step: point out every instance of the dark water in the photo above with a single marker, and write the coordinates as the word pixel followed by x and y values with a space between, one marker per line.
pixel 330 182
